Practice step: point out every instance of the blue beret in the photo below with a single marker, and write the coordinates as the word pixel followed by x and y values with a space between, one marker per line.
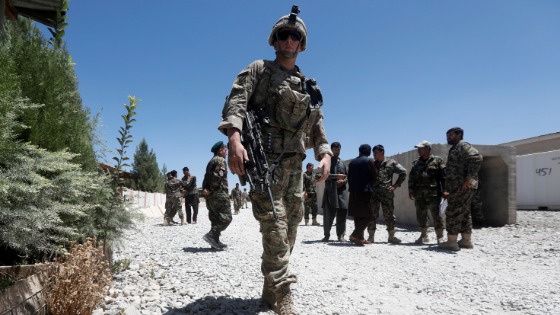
pixel 216 146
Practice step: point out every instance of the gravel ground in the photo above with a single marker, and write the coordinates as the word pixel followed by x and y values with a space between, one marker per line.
pixel 512 269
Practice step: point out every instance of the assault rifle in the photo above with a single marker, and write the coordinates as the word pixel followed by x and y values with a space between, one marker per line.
pixel 257 170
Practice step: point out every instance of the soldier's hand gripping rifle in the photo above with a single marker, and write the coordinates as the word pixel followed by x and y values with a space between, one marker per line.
pixel 257 170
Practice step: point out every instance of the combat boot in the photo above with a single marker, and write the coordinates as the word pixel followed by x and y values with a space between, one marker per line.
pixel 210 238
pixel 284 301
pixel 371 237
pixel 268 297
pixel 166 222
pixel 182 221
pixel 392 238
pixel 439 235
pixel 465 241
pixel 423 239
pixel 450 244
pixel 224 246
pixel 315 222
pixel 306 221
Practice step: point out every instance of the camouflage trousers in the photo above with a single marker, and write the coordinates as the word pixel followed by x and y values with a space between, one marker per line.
pixel 311 206
pixel 425 205
pixel 237 204
pixel 279 236
pixel 476 207
pixel 172 206
pixel 219 211
pixel 388 207
pixel 458 213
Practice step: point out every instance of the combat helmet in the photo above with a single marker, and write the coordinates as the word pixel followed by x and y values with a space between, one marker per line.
pixel 291 21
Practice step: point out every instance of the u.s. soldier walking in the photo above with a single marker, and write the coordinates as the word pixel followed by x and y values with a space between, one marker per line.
pixel 461 181
pixel 278 93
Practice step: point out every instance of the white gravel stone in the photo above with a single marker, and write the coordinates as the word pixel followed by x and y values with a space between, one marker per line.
pixel 512 269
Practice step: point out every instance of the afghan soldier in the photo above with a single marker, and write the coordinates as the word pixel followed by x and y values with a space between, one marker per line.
pixel 384 192
pixel 463 164
pixel 310 195
pixel 236 196
pixel 173 198
pixel 191 195
pixel 245 198
pixel 287 106
pixel 425 186
pixel 215 190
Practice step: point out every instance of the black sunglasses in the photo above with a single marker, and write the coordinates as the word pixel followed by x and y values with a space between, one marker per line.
pixel 283 35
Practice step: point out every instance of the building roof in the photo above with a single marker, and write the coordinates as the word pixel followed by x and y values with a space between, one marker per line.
pixel 42 11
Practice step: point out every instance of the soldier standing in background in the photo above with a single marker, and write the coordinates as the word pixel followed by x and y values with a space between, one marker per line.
pixel 281 98
pixel 310 195
pixel 172 198
pixel 426 181
pixel 361 176
pixel 384 192
pixel 335 197
pixel 215 190
pixel 191 195
pixel 236 196
pixel 245 198
pixel 461 181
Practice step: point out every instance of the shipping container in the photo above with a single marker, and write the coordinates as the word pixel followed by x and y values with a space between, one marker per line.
pixel 538 181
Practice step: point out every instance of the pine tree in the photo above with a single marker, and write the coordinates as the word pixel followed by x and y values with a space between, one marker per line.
pixel 145 168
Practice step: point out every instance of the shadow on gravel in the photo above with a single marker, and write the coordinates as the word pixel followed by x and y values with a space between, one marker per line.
pixel 435 248
pixel 221 305
pixel 312 242
pixel 199 250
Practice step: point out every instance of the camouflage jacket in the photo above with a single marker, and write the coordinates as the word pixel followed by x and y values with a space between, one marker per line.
pixel 215 178
pixel 173 187
pixel 427 177
pixel 463 162
pixel 290 122
pixel 309 180
pixel 189 185
pixel 385 171
pixel 236 194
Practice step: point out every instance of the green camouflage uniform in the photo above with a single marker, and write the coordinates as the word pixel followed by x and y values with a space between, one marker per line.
pixel 217 203
pixel 381 193
pixel 463 162
pixel 426 181
pixel 278 96
pixel 173 198
pixel 310 203
pixel 237 201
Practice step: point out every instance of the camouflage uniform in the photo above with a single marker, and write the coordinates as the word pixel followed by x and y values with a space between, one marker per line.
pixel 237 201
pixel 310 203
pixel 278 96
pixel 217 203
pixel 381 193
pixel 463 162
pixel 426 181
pixel 476 208
pixel 173 199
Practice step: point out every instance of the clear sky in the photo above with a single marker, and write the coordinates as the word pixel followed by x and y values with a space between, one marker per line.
pixel 391 72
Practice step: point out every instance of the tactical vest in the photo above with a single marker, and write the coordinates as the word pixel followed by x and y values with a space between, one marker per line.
pixel 284 108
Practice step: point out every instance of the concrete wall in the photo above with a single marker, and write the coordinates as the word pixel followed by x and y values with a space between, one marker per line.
pixel 497 183
pixel 497 180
